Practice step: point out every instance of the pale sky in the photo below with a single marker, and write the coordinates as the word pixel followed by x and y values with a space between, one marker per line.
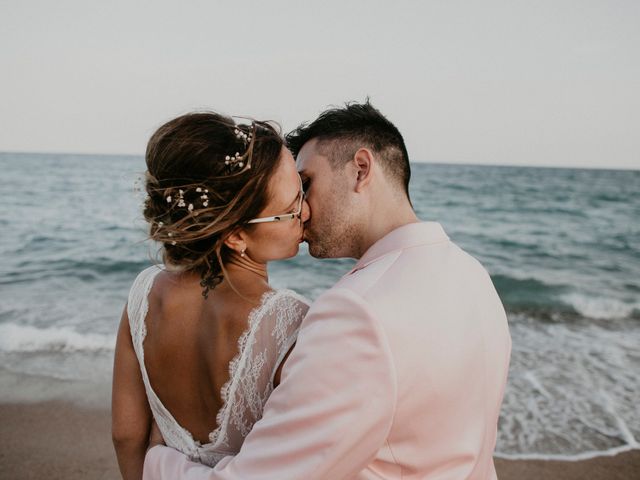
pixel 547 82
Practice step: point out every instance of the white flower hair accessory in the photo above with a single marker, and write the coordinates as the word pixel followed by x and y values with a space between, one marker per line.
pixel 239 163
pixel 180 202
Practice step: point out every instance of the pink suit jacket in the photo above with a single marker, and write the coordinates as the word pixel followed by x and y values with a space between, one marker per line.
pixel 399 372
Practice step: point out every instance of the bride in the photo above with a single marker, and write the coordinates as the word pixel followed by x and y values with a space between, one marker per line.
pixel 203 337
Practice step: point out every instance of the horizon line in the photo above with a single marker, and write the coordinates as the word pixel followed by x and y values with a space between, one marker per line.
pixel 426 162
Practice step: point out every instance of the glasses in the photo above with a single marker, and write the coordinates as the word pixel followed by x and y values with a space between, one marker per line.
pixel 284 216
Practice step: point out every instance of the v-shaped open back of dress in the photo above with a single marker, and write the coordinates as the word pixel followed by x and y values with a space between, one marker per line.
pixel 272 329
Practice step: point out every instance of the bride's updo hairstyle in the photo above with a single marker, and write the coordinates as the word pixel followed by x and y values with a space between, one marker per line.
pixel 206 176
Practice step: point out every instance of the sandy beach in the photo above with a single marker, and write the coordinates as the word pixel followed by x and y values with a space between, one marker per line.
pixel 59 440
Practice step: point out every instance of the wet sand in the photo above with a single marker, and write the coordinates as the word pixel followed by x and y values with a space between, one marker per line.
pixel 59 440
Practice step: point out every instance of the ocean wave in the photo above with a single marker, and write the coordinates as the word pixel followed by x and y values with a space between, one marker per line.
pixel 21 339
pixel 85 270
pixel 530 292
pixel 601 307
pixel 548 301
pixel 568 458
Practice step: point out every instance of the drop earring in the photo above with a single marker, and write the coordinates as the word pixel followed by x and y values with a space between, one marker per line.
pixel 242 253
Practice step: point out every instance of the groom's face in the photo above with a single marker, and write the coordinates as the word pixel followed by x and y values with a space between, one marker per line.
pixel 329 230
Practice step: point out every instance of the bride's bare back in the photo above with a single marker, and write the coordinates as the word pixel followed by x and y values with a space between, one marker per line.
pixel 190 343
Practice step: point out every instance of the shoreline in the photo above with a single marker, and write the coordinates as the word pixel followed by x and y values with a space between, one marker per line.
pixel 578 457
pixel 622 466
pixel 59 439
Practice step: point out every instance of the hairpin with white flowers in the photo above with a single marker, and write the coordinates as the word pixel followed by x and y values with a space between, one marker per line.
pixel 240 163
pixel 203 197
pixel 179 201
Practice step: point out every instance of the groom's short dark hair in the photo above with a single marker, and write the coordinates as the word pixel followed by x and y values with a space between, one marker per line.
pixel 342 131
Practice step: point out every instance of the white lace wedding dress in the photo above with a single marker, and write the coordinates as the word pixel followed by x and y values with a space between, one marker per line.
pixel 272 330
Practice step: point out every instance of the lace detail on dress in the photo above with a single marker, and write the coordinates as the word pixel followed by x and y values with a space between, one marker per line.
pixel 251 371
pixel 272 328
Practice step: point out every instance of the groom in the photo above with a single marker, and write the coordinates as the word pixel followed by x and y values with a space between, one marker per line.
pixel 400 368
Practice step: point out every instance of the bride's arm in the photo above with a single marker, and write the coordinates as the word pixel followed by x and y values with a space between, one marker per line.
pixel 276 377
pixel 130 413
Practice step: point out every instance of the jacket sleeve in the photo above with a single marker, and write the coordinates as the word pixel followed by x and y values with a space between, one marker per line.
pixel 331 412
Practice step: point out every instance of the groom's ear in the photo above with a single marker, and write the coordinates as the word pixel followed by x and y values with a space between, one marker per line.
pixel 236 240
pixel 363 161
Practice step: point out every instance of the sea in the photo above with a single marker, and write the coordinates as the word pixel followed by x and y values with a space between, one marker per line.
pixel 562 247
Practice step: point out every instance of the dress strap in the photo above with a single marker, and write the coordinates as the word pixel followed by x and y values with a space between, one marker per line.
pixel 138 304
pixel 174 434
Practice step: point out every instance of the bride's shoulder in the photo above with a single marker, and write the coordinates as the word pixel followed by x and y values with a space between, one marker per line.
pixel 283 302
pixel 149 272
pixel 144 279
pixel 287 299
pixel 288 296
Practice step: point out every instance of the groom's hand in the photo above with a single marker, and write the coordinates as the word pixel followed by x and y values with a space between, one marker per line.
pixel 155 437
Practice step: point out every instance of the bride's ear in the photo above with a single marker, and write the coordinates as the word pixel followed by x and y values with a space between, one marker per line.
pixel 236 240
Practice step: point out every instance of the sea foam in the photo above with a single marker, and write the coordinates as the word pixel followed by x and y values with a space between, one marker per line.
pixel 21 338
pixel 599 307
